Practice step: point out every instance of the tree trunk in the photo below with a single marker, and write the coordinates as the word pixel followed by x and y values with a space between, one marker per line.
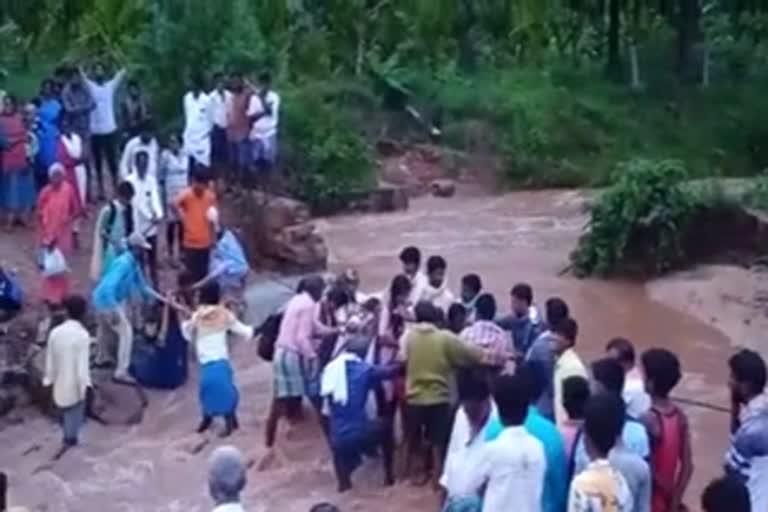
pixel 705 68
pixel 613 67
pixel 688 33
pixel 635 66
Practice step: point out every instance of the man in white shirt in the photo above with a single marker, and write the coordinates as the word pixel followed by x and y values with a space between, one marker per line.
pixel 634 394
pixel 67 369
pixel 476 423
pixel 219 101
pixel 104 138
pixel 410 258
pixel 512 467
pixel 264 114
pixel 197 125
pixel 145 142
pixel 147 209
pixel 226 478
pixel 436 289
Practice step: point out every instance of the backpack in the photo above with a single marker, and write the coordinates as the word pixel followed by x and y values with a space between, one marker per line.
pixel 112 216
pixel 268 332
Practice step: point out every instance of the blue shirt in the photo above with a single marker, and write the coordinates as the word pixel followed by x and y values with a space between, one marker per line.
pixel 349 423
pixel 553 498
pixel 541 361
pixel 122 280
pixel 522 329
pixel 634 438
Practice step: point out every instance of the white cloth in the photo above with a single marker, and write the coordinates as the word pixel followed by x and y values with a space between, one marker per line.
pixel 67 363
pixel 637 400
pixel 512 470
pixel 265 126
pixel 197 127
pixel 103 115
pixel 116 322
pixel 464 452
pixel 174 173
pixel 73 144
pixel 219 102
pixel 229 507
pixel 418 283
pixel 147 208
pixel 212 346
pixel 128 159
pixel 439 297
pixel 334 380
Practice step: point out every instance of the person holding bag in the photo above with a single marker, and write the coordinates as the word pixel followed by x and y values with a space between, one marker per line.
pixel 57 209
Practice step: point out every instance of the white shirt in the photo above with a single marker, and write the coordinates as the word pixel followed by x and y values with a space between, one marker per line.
pixel 213 346
pixel 229 507
pixel 512 468
pixel 147 207
pixel 73 144
pixel 219 102
pixel 464 452
pixel 197 127
pixel 67 363
pixel 103 115
pixel 135 145
pixel 265 126
pixel 439 297
pixel 637 400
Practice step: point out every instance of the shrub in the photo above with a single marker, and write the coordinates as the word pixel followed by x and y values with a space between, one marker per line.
pixel 326 160
pixel 637 225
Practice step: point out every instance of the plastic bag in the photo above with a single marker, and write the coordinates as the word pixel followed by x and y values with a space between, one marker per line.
pixel 52 262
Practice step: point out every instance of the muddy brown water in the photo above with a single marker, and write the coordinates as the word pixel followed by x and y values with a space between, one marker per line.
pixel 516 237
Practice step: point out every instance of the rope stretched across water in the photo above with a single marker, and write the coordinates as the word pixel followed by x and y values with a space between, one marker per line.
pixel 703 405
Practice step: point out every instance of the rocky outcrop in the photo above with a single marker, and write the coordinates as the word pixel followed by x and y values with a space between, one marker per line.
pixel 443 188
pixel 278 233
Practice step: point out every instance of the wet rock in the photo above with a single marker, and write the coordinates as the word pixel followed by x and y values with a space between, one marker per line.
pixel 277 232
pixel 443 188
pixel 117 404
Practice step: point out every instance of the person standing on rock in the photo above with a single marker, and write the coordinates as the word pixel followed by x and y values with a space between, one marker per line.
pixel 264 115
pixel 122 281
pixel 227 476
pixel 67 369
pixel 193 205
pixel 113 226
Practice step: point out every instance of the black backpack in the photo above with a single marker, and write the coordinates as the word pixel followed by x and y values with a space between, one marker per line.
pixel 268 332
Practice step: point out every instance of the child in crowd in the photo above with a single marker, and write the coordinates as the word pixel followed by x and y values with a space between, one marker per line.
pixel 174 178
pixel 575 396
pixel 668 429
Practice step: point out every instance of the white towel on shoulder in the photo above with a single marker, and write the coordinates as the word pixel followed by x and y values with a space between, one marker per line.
pixel 334 381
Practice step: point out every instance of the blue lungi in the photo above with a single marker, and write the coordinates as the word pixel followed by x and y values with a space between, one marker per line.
pixel 218 393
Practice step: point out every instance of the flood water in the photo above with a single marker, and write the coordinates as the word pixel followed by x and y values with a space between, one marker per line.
pixel 506 239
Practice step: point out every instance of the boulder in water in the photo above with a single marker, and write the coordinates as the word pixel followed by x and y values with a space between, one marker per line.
pixel 443 188
pixel 117 404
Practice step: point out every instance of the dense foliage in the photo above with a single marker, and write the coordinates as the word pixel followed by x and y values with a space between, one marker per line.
pixel 521 79
pixel 637 225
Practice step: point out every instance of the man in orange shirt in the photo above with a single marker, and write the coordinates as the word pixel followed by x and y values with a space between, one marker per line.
pixel 198 238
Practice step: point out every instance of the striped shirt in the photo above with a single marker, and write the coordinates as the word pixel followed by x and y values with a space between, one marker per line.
pixel 489 337
pixel 747 457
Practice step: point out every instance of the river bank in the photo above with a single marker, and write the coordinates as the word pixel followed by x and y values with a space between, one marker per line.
pixel 523 236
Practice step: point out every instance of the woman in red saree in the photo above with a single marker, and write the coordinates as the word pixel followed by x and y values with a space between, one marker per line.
pixel 57 209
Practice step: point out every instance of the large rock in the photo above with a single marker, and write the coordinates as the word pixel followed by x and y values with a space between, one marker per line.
pixel 443 188
pixel 117 404
pixel 277 233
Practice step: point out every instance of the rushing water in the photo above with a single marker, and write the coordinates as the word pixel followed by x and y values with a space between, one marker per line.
pixel 506 239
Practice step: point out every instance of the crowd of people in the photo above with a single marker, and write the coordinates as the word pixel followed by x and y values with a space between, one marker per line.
pixel 496 409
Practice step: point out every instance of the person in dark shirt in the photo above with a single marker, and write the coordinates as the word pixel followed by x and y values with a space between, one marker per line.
pixel 522 323
pixel 346 384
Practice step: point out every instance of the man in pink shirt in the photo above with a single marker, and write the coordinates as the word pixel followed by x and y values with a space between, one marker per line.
pixel 296 367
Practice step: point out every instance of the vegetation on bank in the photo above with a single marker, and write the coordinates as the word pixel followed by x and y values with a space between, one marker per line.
pixel 557 92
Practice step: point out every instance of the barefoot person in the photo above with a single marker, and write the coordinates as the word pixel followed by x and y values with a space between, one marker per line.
pixel 295 365
pixel 17 182
pixel 208 329
pixel 346 384
pixel 122 281
pixel 67 370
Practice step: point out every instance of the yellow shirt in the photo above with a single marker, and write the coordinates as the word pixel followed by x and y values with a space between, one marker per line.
pixel 568 365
